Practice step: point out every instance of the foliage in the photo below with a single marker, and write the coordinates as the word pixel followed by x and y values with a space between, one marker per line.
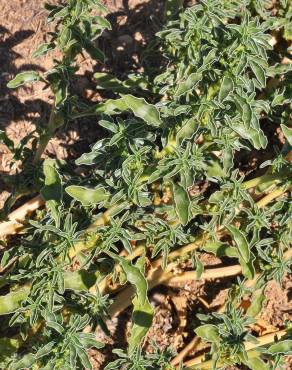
pixel 167 173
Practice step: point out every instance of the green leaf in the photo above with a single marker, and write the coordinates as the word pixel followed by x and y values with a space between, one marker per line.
pixel 287 131
pixel 45 350
pixel 220 249
pixel 190 83
pixel 259 72
pixel 109 82
pixel 247 268
pixel 257 301
pixel 283 347
pixel 142 311
pixel 5 140
pixel 208 332
pixel 256 363
pixel 187 130
pixel 181 203
pixel 143 110
pixel 102 22
pixel 93 51
pixel 87 196
pixel 241 242
pixel 43 49
pixel 80 280
pixel 10 302
pixel 52 192
pixel 199 267
pixel 88 340
pixel 52 189
pixel 23 78
pixel 226 88
pixel 83 356
pixel 26 362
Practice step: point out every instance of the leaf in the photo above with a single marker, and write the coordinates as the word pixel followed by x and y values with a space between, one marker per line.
pixel 259 72
pixel 87 196
pixel 45 350
pixel 256 363
pixel 283 347
pixel 220 249
pixel 181 203
pixel 10 302
pixel 83 356
pixel 208 332
pixel 26 362
pixel 199 267
pixel 187 130
pixel 109 82
pixel 80 279
pixel 88 340
pixel 23 78
pixel 287 131
pixel 102 22
pixel 5 140
pixel 257 301
pixel 241 242
pixel 226 88
pixel 247 268
pixel 190 83
pixel 52 189
pixel 43 49
pixel 143 110
pixel 142 311
pixel 93 51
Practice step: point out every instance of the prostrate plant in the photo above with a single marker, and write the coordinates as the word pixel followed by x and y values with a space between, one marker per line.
pixel 164 180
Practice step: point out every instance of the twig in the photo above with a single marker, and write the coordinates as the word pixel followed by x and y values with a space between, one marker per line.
pixel 187 349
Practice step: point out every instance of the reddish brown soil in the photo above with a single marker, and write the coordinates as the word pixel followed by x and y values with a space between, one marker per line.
pixel 22 28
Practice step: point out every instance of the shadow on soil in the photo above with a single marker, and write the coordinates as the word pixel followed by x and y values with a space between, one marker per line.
pixel 11 108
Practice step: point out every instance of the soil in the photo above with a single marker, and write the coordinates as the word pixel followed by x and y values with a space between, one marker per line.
pixel 22 28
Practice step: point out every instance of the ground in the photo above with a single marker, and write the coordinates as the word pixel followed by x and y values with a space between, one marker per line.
pixel 22 28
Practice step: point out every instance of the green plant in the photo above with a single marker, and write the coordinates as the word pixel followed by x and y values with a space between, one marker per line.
pixel 164 183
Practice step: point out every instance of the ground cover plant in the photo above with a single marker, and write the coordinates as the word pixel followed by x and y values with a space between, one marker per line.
pixel 165 183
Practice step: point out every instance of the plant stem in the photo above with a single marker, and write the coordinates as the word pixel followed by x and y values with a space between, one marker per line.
pixel 45 138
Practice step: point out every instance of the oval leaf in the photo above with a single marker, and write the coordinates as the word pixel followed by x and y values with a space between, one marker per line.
pixel 284 347
pixel 208 332
pixel 190 83
pixel 259 72
pixel 87 196
pixel 241 243
pixel 226 88
pixel 257 302
pixel 23 78
pixel 143 110
pixel 53 186
pixel 181 203
pixel 142 311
